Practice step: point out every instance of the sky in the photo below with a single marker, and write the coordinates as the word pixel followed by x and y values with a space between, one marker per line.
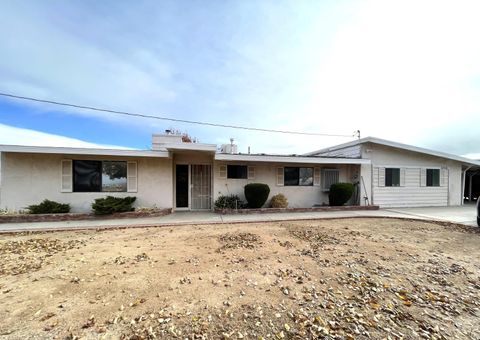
pixel 407 71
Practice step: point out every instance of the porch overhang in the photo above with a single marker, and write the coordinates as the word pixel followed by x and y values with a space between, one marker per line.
pixel 289 159
pixel 83 151
pixel 211 148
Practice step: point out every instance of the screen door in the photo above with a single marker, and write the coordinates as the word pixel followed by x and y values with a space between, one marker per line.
pixel 201 186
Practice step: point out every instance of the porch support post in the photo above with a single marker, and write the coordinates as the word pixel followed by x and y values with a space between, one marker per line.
pixel 464 177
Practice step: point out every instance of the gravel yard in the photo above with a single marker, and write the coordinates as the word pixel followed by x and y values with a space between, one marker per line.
pixel 348 279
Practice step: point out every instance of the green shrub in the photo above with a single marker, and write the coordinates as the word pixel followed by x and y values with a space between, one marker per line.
pixel 279 201
pixel 229 202
pixel 340 193
pixel 256 194
pixel 48 207
pixel 110 205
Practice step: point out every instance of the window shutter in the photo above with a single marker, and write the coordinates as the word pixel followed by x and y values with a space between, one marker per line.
pixel 444 177
pixel 67 176
pixel 251 172
pixel 280 176
pixel 375 177
pixel 423 177
pixel 222 169
pixel 381 177
pixel 132 177
pixel 316 176
pixel 402 177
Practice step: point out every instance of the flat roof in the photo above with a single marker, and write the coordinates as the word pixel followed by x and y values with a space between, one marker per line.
pixel 84 151
pixel 289 159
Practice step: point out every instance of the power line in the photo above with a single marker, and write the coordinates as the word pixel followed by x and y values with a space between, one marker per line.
pixel 140 115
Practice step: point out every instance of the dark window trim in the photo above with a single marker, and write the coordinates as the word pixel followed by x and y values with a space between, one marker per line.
pixel 244 174
pixel 99 185
pixel 390 183
pixel 297 179
pixel 429 182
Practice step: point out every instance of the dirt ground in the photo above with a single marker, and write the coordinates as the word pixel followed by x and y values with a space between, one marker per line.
pixel 346 279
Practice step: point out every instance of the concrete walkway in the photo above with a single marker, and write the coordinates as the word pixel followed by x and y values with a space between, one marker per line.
pixel 465 215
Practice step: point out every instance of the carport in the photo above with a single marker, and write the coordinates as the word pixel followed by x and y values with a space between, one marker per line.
pixel 472 185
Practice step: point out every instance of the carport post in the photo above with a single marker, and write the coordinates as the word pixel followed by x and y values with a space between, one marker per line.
pixel 463 184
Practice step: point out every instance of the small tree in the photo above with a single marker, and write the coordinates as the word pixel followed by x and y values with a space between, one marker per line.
pixel 110 205
pixel 48 207
pixel 229 202
pixel 279 201
pixel 340 193
pixel 256 194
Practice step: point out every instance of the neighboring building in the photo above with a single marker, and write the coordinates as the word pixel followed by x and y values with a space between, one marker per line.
pixel 407 176
pixel 191 176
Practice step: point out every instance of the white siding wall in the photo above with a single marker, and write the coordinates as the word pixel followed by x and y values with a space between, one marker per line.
pixel 412 193
pixel 298 196
pixel 30 178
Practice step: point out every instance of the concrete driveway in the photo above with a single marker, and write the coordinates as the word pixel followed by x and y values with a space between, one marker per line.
pixel 465 214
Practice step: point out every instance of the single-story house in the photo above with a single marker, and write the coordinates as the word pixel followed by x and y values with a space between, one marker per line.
pixel 191 176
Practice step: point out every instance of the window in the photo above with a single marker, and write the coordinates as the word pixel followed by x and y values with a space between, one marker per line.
pixel 114 176
pixel 306 176
pixel 392 177
pixel 433 177
pixel 298 176
pixel 329 177
pixel 98 176
pixel 237 171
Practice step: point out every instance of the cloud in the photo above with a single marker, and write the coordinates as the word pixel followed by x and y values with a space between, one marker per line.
pixel 475 156
pixel 400 73
pixel 17 136
pixel 406 71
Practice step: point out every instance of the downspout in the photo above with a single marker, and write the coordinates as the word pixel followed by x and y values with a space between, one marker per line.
pixel 463 183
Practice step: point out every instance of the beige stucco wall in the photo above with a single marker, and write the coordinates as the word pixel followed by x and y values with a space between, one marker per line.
pixel 189 157
pixel 412 194
pixel 30 178
pixel 298 196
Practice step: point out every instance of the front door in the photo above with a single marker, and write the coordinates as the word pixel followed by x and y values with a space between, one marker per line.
pixel 201 186
pixel 181 185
